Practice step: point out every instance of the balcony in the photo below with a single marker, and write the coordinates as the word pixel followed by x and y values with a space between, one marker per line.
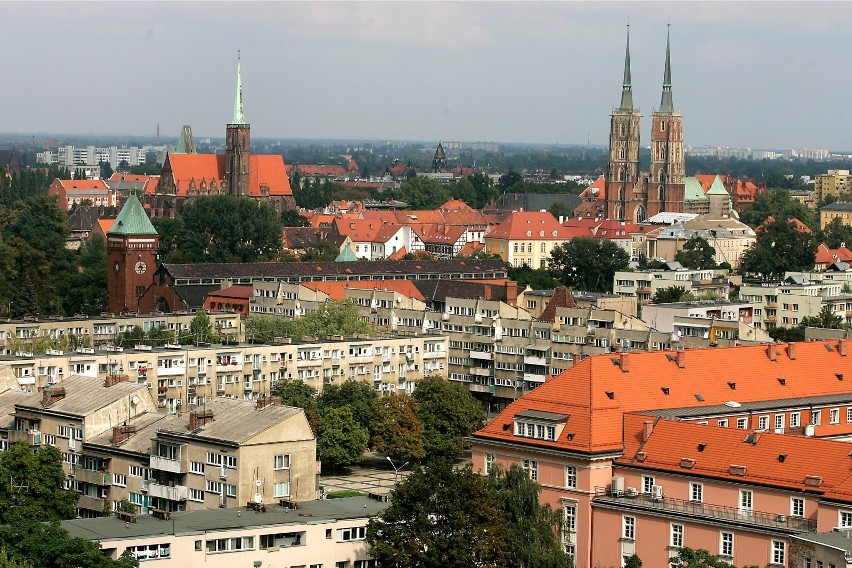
pixel 481 355
pixel 91 503
pixel 690 509
pixel 308 362
pixel 171 371
pixel 170 465
pixel 170 492
pixel 228 366
pixel 94 477
pixel 476 387
pixel 430 354
pixel 481 372
pixel 533 377
pixel 535 360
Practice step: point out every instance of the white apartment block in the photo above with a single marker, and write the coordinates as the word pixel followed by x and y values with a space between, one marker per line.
pixel 643 284
pixel 783 305
pixel 91 156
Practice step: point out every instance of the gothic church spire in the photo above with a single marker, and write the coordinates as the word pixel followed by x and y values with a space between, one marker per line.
pixel 627 88
pixel 239 118
pixel 666 101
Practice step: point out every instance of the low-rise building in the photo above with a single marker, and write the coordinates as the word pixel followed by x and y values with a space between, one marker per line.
pixel 841 210
pixel 787 304
pixel 644 284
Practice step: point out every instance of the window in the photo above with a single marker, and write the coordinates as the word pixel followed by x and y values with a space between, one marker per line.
pixel 282 461
pixel 351 533
pixel 845 518
pixel 531 468
pixel 230 544
pixel 138 471
pixel 281 489
pixel 816 417
pixel 762 422
pixel 779 421
pixel 726 544
pixel 196 467
pixel 741 423
pixel 282 539
pixel 628 525
pixel 795 419
pixel 647 483
pixel 797 507
pixel 571 476
pixel 834 416
pixel 150 551
pixel 196 495
pixel 119 479
pixel 849 414
pixel 779 552
pixel 676 535
pixel 215 458
pixel 746 504
pixel 365 564
pixel 696 492
pixel 723 423
pixel 489 463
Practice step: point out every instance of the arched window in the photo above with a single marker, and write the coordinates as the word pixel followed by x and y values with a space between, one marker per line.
pixel 621 173
pixel 621 194
pixel 662 193
pixel 640 214
pixel 618 212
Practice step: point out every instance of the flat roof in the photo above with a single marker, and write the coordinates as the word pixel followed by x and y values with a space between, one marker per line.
pixel 231 518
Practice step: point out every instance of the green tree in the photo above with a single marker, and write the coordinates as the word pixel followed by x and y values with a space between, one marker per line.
pixel 200 330
pixel 440 516
pixel 341 441
pixel 106 170
pixel 586 263
pixel 787 334
pixel 671 294
pixel 397 431
pixel 535 278
pixel 354 395
pixel 87 293
pixel 825 319
pixel 633 562
pixel 837 234
pixel 296 393
pixel 697 253
pixel 36 485
pixel 321 251
pixel 333 318
pixel 560 209
pixel 689 558
pixel 508 180
pixel 47 545
pixel 535 528
pixel 779 204
pixel 779 248
pixel 421 192
pixel 291 218
pixel 465 190
pixel 224 228
pixel 449 414
pixel 171 234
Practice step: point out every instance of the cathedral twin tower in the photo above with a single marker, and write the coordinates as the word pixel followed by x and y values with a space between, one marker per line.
pixel 631 195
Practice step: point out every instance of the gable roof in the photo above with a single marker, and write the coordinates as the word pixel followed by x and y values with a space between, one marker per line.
pixel 717 188
pixel 692 190
pixel 83 184
pixel 132 220
pixel 827 256
pixel 265 171
pixel 561 298
pixel 337 290
pixel 534 225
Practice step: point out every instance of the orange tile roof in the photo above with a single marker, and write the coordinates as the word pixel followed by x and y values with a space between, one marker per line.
pixel 382 216
pixel 83 184
pixel 535 225
pixel 398 254
pixel 439 234
pixel 419 217
pixel 105 225
pixel 365 230
pixel 797 224
pixel 672 441
pixel 827 256
pixel 241 292
pixel 122 176
pixel 455 205
pixel 471 247
pixel 337 290
pixel 595 392
pixel 264 171
pixel 151 185
pixel 321 170
pixel 595 191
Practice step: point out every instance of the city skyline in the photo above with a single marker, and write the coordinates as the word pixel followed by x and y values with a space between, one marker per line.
pixel 760 74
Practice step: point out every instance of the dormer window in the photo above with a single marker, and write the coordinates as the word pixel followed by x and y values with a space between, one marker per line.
pixel 539 425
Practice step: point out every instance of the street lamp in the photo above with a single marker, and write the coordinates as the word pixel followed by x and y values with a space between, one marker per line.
pixel 396 470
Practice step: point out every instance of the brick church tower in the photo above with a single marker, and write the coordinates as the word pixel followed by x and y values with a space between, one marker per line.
pixel 237 145
pixel 631 195
pixel 666 184
pixel 624 196
pixel 132 245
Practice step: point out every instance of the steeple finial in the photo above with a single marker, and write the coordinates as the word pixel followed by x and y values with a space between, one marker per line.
pixel 627 88
pixel 666 101
pixel 239 118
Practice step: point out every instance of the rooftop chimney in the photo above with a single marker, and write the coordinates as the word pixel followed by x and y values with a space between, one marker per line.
pixel 773 355
pixel 115 379
pixel 841 347
pixel 647 430
pixel 122 433
pixel 680 358
pixel 51 395
pixel 624 363
pixel 791 351
pixel 199 418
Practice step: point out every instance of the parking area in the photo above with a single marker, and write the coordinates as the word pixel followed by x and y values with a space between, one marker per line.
pixel 373 475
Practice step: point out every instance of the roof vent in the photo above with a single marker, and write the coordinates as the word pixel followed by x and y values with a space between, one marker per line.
pixel 782 458
pixel 670 357
pixel 687 463
pixel 828 348
pixel 737 470
pixel 702 446
pixel 641 457
pixel 733 385
pixel 752 438
pixel 782 381
pixel 610 395
pixel 665 390
pixel 570 436
pixel 699 397
pixel 839 376
pixel 733 404
pixel 506 426
pixel 813 480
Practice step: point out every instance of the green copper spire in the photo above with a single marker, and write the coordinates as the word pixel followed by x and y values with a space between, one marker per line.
pixel 627 88
pixel 666 102
pixel 132 219
pixel 239 118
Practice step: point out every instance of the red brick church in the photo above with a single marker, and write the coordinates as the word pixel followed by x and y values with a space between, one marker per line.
pixel 237 172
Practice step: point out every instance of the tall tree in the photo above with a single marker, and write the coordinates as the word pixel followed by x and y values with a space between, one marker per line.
pixel 449 414
pixel 397 431
pixel 200 330
pixel 697 253
pixel 837 234
pixel 825 318
pixel 671 294
pixel 47 545
pixel 779 248
pixel 341 441
pixel 354 395
pixel 421 192
pixel 32 486
pixel 440 516
pixel 224 228
pixel 536 529
pixel 777 203
pixel 586 263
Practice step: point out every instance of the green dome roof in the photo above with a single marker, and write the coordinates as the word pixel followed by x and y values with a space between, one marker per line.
pixel 132 220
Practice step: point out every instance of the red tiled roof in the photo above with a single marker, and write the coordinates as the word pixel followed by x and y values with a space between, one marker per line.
pixel 321 170
pixel 337 290
pixel 105 225
pixel 398 254
pixel 534 225
pixel 365 230
pixel 122 176
pixel 561 298
pixel 240 292
pixel 797 224
pixel 671 441
pixel 825 255
pixel 264 171
pixel 439 234
pixel 83 184
pixel 151 185
pixel 471 247
pixel 595 392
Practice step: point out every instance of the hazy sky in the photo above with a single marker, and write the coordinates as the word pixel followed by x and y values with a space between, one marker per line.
pixel 758 74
